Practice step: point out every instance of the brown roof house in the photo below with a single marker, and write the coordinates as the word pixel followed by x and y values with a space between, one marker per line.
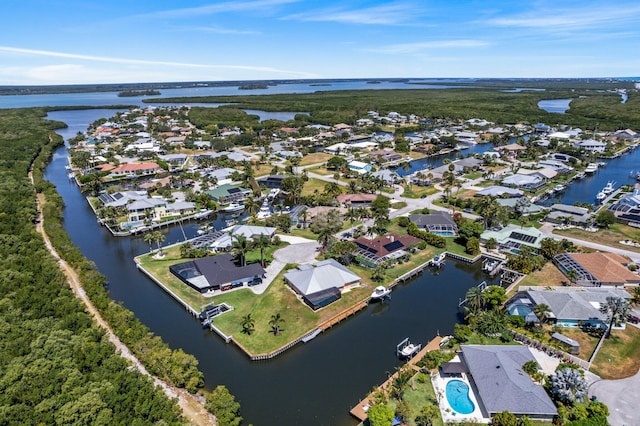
pixel 372 252
pixel 597 269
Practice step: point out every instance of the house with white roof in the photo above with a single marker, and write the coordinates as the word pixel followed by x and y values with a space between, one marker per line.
pixel 591 145
pixel 320 283
pixel 360 167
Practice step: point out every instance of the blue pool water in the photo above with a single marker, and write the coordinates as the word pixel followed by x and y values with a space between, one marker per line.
pixel 522 310
pixel 444 233
pixel 457 393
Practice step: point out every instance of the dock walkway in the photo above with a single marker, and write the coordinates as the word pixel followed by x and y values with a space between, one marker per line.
pixel 360 410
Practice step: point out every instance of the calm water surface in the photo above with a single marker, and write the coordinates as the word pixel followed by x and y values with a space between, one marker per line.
pixel 313 384
pixel 558 106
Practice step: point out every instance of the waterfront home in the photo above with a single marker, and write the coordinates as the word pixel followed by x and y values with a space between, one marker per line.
pixel 627 208
pixel 511 238
pixel 510 150
pixel 500 384
pixel 556 165
pixel 544 173
pixel 626 134
pixel 321 283
pixel 384 156
pixel 564 213
pixel 218 272
pixel 222 176
pixel 521 205
pixel 174 160
pixel 373 251
pixel 338 148
pixel 237 156
pixel 437 222
pixel 389 177
pixel 356 200
pixel 223 240
pixel 272 181
pixel 597 269
pixel 523 181
pixel 468 164
pixel 228 193
pixel 135 169
pixel 569 306
pixel 360 167
pixel 499 191
pixel 591 145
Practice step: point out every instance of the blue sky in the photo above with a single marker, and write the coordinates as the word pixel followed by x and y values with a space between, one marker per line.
pixel 117 41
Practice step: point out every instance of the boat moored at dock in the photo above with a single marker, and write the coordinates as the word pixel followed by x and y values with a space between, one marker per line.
pixel 380 293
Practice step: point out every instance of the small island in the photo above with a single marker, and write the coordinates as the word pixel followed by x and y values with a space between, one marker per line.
pixel 254 86
pixel 132 93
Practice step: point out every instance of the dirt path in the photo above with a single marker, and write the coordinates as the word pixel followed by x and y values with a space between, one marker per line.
pixel 192 405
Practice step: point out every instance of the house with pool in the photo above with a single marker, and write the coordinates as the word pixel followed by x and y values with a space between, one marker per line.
pixel 437 222
pixel 483 380
pixel 569 306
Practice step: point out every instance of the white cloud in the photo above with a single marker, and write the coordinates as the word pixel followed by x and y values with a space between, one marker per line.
pixel 212 9
pixel 390 14
pixel 219 30
pixel 48 53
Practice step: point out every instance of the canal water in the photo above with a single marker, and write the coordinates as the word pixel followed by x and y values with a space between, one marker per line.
pixel 312 384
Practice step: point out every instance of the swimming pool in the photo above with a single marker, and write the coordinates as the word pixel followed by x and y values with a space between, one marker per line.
pixel 520 309
pixel 457 393
pixel 444 233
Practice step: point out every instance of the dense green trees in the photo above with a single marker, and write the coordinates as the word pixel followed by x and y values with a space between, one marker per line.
pixel 55 365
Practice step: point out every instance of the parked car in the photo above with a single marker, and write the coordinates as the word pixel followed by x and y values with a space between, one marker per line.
pixel 633 319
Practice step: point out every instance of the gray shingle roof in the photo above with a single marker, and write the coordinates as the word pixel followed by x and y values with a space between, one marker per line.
pixel 501 383
pixel 309 279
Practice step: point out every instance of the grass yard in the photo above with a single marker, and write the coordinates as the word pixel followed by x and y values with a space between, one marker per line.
pixel 416 191
pixel 316 157
pixel 618 357
pixel 587 342
pixel 321 170
pixel 610 237
pixel 456 248
pixel 472 175
pixel 549 275
pixel 312 184
pixel 419 395
pixel 261 169
pixel 298 318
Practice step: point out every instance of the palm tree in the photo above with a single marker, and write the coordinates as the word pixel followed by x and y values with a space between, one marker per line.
pixel 251 206
pixel 262 242
pixel 379 272
pixel 149 238
pixel 248 324
pixel 542 310
pixel 572 275
pixel 475 299
pixel 241 246
pixel 274 322
pixel 616 309
pixel 332 189
pixel 158 237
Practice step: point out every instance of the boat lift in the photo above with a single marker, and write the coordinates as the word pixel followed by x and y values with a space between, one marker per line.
pixel 406 349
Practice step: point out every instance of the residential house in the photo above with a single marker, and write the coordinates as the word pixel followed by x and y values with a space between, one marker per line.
pixel 135 169
pixel 222 175
pixel 272 181
pixel 228 193
pixel 523 181
pixel 218 272
pixel 387 247
pixel 544 173
pixel 389 177
pixel 356 200
pixel 360 167
pixel 627 208
pixel 564 213
pixel 499 191
pixel 591 145
pixel 522 205
pixel 596 269
pixel 438 222
pixel 321 283
pixel 556 165
pixel 500 384
pixel 569 306
pixel 224 239
pixel 512 238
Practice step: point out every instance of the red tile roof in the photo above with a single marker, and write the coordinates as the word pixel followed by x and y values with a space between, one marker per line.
pixel 384 245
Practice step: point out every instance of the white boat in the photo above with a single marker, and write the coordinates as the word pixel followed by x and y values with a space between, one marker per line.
pixel 273 194
pixel 409 350
pixel 609 188
pixel 380 293
pixel 591 168
pixel 601 196
pixel 264 212
pixel 204 229
pixel 559 188
pixel 438 260
pixel 233 208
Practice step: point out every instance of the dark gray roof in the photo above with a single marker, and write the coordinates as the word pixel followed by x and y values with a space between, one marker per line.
pixel 501 383
pixel 221 269
pixel 435 218
pixel 453 368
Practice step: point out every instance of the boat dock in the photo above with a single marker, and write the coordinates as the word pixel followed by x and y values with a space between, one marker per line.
pixel 360 410
pixel 343 315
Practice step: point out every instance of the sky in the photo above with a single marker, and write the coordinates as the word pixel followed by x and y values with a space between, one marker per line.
pixel 125 41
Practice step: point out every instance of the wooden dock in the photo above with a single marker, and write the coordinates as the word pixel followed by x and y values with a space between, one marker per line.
pixel 343 315
pixel 360 410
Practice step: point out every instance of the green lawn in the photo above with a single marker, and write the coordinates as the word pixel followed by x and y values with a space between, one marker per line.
pixel 473 175
pixel 316 157
pixel 312 184
pixel 611 236
pixel 419 395
pixel 298 318
pixel 416 191
pixel 618 357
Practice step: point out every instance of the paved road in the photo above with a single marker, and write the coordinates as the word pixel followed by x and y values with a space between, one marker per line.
pixel 622 398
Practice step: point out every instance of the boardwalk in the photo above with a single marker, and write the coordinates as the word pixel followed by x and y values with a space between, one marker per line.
pixel 360 410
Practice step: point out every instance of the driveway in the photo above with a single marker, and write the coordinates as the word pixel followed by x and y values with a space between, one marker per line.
pixel 621 396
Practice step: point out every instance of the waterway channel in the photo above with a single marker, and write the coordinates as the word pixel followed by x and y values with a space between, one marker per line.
pixel 312 384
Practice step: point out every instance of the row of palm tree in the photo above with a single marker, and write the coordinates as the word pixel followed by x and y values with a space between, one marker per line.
pixel 249 324
pixel 242 245
pixel 156 237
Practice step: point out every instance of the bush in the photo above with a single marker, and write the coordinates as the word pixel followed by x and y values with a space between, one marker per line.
pixel 431 239
pixel 403 221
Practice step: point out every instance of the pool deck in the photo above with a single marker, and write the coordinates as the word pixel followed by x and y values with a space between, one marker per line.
pixel 449 415
pixel 360 410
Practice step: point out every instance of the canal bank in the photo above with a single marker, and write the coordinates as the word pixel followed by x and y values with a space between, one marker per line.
pixel 304 385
